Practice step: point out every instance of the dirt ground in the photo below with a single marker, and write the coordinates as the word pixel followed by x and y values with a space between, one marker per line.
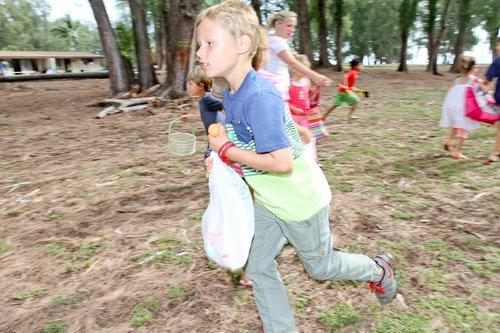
pixel 101 223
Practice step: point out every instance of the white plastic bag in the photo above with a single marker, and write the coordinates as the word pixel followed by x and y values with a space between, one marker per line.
pixel 228 223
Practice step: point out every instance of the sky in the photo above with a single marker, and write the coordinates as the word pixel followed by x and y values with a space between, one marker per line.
pixel 81 10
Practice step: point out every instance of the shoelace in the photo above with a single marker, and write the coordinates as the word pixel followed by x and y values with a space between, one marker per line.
pixel 377 288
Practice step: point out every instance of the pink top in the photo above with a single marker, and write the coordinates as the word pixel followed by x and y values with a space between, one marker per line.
pixel 300 93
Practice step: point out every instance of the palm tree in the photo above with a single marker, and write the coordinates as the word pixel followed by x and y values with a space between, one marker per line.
pixel 68 31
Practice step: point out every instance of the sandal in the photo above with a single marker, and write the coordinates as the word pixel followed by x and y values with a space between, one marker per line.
pixel 246 283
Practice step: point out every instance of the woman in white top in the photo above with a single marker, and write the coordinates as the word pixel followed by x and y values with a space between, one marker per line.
pixel 282 58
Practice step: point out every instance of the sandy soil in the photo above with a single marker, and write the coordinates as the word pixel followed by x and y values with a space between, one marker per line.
pixel 86 202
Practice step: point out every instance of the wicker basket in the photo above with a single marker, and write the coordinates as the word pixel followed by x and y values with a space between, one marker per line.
pixel 181 144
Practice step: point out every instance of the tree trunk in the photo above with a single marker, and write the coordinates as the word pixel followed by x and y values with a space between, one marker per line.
pixel 463 24
pixel 256 7
pixel 146 76
pixel 117 73
pixel 434 45
pixel 407 16
pixel 181 15
pixel 339 13
pixel 304 29
pixel 432 7
pixel 159 25
pixel 322 36
pixel 403 67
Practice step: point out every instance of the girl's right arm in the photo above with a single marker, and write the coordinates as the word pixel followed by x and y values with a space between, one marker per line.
pixel 295 65
pixel 278 161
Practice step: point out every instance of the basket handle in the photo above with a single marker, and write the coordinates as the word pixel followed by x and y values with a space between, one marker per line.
pixel 173 121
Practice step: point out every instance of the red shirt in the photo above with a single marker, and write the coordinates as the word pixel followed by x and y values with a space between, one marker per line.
pixel 349 77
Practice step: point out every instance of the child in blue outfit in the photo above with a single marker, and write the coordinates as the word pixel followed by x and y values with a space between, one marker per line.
pixel 198 84
pixel 492 73
pixel 291 194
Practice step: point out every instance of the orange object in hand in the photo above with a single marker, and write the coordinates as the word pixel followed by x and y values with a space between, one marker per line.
pixel 214 130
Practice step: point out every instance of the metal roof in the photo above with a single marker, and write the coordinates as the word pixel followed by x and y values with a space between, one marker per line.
pixel 46 54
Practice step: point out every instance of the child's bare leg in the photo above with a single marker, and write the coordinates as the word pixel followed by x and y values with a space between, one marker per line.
pixel 448 143
pixel 462 135
pixel 353 108
pixel 496 149
pixel 328 112
pixel 245 280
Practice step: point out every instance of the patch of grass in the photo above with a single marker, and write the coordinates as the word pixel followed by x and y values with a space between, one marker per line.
pixel 142 314
pixel 437 245
pixel 195 219
pixel 127 178
pixel 434 279
pixel 91 198
pixel 302 301
pixel 54 326
pixel 162 167
pixel 243 299
pixel 244 330
pixel 15 212
pixel 407 323
pixel 343 187
pixel 58 216
pixel 403 215
pixel 341 285
pixel 168 251
pixel 338 317
pixel 29 294
pixel 461 316
pixel 162 188
pixel 488 292
pixel 484 270
pixel 63 300
pixel 3 248
pixel 82 255
pixel 176 291
pixel 398 249
pixel 55 248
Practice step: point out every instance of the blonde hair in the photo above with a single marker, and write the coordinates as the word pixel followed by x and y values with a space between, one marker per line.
pixel 302 58
pixel 279 17
pixel 197 75
pixel 261 49
pixel 466 63
pixel 237 17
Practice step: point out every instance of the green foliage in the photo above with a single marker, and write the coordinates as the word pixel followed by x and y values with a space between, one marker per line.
pixel 142 314
pixel 302 301
pixel 24 27
pixel 168 251
pixel 63 300
pixel 81 253
pixel 125 38
pixel 176 291
pixel 54 326
pixel 3 248
pixel 341 315
pixel 29 294
pixel 461 316
pixel 403 215
pixel 15 212
pixel 408 323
